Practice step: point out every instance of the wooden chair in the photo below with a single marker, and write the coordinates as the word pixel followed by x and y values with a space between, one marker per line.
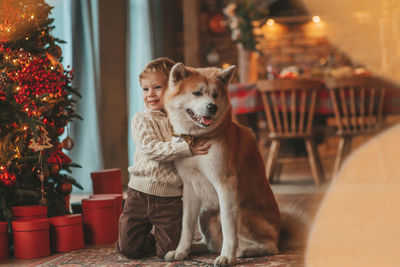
pixel 357 104
pixel 289 109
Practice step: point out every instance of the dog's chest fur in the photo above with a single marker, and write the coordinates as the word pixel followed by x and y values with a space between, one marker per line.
pixel 200 171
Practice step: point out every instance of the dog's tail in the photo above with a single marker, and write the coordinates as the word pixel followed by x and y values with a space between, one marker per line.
pixel 295 226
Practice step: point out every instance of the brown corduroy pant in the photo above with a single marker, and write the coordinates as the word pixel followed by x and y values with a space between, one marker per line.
pixel 142 213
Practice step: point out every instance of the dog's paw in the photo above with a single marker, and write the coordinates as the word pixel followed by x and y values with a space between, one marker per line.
pixel 223 261
pixel 175 256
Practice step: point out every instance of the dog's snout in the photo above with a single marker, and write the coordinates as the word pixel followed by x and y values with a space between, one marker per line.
pixel 212 108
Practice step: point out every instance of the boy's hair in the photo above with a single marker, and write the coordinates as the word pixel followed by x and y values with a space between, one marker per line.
pixel 162 64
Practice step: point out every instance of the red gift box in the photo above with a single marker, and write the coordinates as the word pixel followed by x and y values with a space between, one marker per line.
pixel 107 181
pixel 28 213
pixel 99 220
pixel 118 204
pixel 3 240
pixel 66 233
pixel 31 238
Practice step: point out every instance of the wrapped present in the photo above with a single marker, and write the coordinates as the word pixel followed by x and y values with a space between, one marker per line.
pixel 99 220
pixel 107 181
pixel 66 233
pixel 118 203
pixel 31 238
pixel 28 213
pixel 4 252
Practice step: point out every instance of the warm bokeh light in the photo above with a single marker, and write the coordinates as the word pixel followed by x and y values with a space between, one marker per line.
pixel 13 14
pixel 316 19
pixel 366 30
pixel 270 22
pixel 225 65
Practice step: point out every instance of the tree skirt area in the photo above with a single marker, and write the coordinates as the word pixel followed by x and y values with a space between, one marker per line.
pixel 106 255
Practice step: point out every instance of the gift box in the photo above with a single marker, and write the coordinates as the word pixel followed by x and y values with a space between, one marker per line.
pixel 107 181
pixel 66 233
pixel 31 238
pixel 99 220
pixel 28 213
pixel 118 205
pixel 4 240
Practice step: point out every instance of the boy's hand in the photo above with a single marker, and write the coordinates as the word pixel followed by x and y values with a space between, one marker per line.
pixel 200 147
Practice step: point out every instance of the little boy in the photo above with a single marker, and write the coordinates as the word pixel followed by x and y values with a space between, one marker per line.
pixel 155 188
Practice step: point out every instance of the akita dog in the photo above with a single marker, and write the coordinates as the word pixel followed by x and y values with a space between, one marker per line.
pixel 227 188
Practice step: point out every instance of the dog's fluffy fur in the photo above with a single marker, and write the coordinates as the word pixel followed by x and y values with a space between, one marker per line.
pixel 226 190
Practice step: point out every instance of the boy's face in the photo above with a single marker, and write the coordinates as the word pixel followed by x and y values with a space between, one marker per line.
pixel 153 86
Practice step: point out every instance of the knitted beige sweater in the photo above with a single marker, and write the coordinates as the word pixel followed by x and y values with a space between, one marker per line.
pixel 154 171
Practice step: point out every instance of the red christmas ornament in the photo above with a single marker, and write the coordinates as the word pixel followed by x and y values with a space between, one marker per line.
pixel 64 188
pixel 54 168
pixel 217 24
pixel 68 143
pixel 7 178
pixel 60 131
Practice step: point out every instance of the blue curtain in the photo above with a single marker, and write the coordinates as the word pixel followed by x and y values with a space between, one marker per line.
pixel 77 23
pixel 139 54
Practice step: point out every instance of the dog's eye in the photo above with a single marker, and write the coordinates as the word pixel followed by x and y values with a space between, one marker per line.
pixel 197 93
pixel 215 95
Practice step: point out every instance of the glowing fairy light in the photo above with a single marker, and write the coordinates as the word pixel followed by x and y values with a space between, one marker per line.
pixel 270 22
pixel 316 19
pixel 226 65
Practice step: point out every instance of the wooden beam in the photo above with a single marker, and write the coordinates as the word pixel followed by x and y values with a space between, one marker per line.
pixel 190 33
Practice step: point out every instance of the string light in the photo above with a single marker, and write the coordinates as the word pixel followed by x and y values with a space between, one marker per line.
pixel 316 19
pixel 270 22
pixel 226 65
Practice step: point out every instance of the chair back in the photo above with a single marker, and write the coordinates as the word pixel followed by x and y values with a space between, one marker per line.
pixel 357 103
pixel 289 106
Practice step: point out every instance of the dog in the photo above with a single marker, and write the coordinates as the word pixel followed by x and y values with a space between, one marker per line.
pixel 226 190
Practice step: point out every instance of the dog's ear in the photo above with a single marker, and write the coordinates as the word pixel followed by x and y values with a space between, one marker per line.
pixel 178 73
pixel 226 75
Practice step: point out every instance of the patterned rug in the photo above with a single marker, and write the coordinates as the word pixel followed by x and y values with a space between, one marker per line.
pixel 107 256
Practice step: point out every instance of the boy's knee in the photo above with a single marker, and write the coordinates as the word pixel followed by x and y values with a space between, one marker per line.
pixel 128 251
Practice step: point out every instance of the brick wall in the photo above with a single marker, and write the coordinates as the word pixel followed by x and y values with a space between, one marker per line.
pixel 302 44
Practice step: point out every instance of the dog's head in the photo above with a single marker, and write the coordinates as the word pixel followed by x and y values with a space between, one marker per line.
pixel 197 99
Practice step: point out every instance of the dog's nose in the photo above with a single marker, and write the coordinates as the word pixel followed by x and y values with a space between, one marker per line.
pixel 212 108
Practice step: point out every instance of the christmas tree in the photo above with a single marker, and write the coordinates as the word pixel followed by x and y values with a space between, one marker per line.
pixel 36 105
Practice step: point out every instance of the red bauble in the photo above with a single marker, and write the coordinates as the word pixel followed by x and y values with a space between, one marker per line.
pixel 54 168
pixel 64 188
pixel 68 143
pixel 7 178
pixel 60 131
pixel 217 24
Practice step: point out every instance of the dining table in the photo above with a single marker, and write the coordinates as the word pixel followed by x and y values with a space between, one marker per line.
pixel 246 99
